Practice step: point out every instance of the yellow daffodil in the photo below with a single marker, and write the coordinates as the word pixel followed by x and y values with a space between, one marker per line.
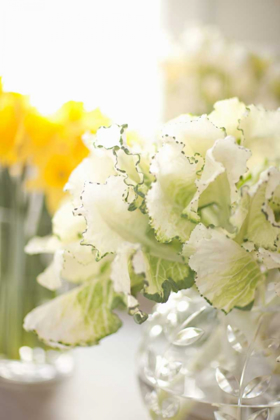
pixel 13 108
pixel 52 145
pixel 93 120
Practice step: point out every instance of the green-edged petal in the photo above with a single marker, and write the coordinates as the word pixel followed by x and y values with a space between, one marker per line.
pixel 80 264
pixel 197 134
pixel 123 278
pixel 171 193
pixel 80 317
pixel 109 223
pixel 261 134
pixel 113 141
pixel 95 168
pixel 227 114
pixel 261 226
pixel 226 275
pixel 239 215
pixel 128 164
pixel 74 263
pixel 200 232
pixel 67 227
pixel 109 137
pixel 234 159
pixel 225 163
pixel 120 274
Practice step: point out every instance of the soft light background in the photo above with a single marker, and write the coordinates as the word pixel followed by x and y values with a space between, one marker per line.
pixel 252 22
pixel 104 52
pixel 101 52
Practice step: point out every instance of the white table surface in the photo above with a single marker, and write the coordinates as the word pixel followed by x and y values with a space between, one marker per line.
pixel 103 386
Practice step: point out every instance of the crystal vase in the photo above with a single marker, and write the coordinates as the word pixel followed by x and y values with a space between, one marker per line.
pixel 198 363
pixel 22 215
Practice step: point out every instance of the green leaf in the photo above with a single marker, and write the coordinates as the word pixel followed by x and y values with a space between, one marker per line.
pixel 162 276
pixel 123 277
pixel 247 307
pixel 80 317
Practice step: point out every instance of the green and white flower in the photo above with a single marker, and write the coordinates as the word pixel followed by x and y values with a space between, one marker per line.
pixel 201 209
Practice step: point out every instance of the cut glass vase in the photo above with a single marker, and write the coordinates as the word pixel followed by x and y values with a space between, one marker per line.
pixel 198 363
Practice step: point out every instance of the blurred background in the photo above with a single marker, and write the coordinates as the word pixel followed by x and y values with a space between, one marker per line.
pixel 138 62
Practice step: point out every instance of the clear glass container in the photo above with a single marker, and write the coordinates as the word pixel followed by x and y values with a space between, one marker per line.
pixel 198 363
pixel 23 214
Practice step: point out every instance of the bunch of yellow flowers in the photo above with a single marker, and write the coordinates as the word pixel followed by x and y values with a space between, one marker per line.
pixel 51 146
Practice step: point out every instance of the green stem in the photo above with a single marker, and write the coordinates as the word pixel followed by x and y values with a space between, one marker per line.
pixel 19 291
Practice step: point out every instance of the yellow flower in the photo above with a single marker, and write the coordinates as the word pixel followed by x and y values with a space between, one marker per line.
pixel 57 171
pixel 41 135
pixel 71 111
pixel 54 198
pixel 76 121
pixel 40 130
pixel 93 120
pixel 52 145
pixel 13 107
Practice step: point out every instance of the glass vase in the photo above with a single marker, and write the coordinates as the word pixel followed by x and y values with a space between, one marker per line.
pixel 198 363
pixel 22 215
